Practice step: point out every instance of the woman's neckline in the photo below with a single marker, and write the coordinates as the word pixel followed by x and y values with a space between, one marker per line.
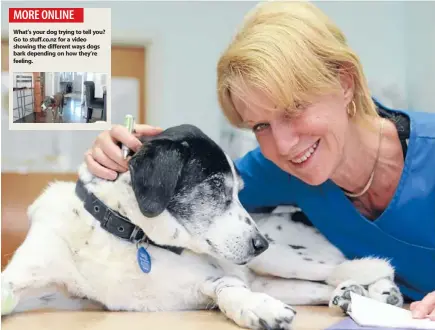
pixel 405 136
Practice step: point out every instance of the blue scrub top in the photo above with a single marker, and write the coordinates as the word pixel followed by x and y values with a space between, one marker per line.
pixel 403 233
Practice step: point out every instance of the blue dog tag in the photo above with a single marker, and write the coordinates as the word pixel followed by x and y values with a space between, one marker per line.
pixel 144 259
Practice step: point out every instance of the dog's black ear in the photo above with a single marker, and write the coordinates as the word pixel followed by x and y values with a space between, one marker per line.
pixel 155 170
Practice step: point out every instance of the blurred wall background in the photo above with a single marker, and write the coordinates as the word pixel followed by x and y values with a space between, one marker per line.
pixel 395 41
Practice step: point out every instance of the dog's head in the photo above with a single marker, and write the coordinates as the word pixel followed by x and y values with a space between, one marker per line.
pixel 183 173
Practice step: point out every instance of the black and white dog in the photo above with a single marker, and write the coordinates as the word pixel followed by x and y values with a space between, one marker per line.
pixel 170 234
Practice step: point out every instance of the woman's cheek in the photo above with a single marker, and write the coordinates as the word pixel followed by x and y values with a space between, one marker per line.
pixel 266 142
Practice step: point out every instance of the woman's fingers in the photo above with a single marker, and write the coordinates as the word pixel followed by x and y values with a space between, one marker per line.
pixel 109 146
pixel 97 169
pixel 142 130
pixel 105 158
pixel 120 134
pixel 413 305
pixel 425 307
pixel 101 158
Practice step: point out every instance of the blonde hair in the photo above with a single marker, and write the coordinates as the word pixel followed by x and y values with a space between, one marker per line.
pixel 291 51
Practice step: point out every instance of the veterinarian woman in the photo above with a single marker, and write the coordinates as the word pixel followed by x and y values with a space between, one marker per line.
pixel 363 174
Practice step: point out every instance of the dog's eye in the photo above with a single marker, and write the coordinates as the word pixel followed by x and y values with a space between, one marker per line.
pixel 228 202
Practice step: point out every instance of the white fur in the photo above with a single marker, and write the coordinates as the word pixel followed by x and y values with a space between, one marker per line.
pixel 65 246
pixel 361 271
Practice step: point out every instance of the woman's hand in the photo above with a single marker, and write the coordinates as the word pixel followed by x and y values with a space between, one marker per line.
pixel 426 307
pixel 105 159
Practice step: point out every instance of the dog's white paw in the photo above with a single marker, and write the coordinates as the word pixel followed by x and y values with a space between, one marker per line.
pixel 386 291
pixel 261 311
pixel 341 295
pixel 9 301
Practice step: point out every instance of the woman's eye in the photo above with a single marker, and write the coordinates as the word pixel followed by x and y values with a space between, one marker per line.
pixel 259 127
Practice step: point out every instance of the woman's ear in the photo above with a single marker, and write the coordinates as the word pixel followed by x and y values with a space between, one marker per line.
pixel 347 82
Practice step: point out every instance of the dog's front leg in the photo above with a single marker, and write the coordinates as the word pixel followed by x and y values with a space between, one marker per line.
pixel 248 309
pixel 42 262
pixel 284 262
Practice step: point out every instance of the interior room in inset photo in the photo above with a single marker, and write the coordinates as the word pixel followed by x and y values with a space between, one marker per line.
pixel 59 97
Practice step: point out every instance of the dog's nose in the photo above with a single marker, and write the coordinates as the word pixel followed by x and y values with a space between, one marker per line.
pixel 260 244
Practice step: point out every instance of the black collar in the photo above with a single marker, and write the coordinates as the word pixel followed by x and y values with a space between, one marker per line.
pixel 113 222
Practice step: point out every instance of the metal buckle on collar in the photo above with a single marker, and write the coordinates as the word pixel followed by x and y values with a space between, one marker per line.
pixel 133 235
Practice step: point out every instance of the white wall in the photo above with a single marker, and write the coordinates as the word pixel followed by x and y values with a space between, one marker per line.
pixel 186 38
pixel 78 82
pixel 420 47
pixel 49 83
pixel 56 84
pixel 99 79
pixel 183 53
pixel 376 31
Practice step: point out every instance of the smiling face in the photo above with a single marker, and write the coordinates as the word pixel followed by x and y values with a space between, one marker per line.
pixel 309 144
pixel 289 57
